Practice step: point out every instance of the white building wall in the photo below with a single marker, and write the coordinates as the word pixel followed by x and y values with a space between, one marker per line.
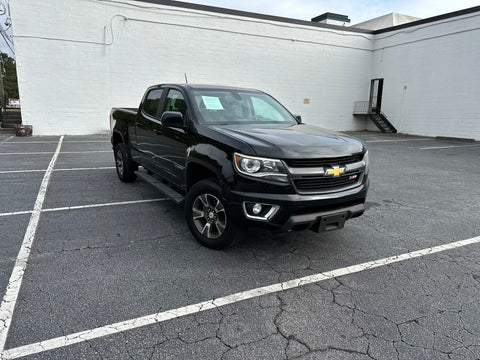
pixel 76 59
pixel 432 81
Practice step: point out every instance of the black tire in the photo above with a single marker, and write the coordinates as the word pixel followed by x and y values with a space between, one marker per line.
pixel 125 166
pixel 208 218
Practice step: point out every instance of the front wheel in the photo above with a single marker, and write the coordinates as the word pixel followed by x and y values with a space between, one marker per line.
pixel 125 167
pixel 208 217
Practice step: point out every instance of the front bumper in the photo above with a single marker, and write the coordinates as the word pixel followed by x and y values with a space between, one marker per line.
pixel 318 212
pixel 323 220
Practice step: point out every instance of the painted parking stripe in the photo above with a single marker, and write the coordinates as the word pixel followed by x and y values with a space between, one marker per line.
pixel 87 152
pixel 43 170
pixel 119 327
pixel 83 169
pixel 16 213
pixel 29 153
pixel 107 141
pixel 448 147
pixel 32 142
pixel 11 294
pixel 79 207
pixel 21 171
pixel 398 140
pixel 5 141
pixel 51 152
pixel 66 208
pixel 54 142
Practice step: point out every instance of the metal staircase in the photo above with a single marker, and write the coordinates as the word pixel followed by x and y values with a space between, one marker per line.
pixel 382 123
pixel 10 118
pixel 380 120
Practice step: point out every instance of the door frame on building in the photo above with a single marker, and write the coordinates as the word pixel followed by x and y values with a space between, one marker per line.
pixel 376 92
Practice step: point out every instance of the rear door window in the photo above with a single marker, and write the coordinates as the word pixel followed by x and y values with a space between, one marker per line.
pixel 152 102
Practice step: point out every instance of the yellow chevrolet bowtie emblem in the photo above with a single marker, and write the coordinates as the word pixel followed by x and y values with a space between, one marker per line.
pixel 335 171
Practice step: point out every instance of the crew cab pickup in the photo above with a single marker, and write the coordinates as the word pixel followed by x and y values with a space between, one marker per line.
pixel 237 157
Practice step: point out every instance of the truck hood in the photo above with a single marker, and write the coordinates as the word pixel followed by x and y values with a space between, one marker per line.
pixel 292 141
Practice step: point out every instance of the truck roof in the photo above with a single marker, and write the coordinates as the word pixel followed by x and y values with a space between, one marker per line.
pixel 210 87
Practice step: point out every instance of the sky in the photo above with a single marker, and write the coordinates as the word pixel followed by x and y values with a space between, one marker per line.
pixel 3 17
pixel 358 11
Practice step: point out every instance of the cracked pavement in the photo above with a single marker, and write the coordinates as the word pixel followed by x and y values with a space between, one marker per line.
pixel 92 267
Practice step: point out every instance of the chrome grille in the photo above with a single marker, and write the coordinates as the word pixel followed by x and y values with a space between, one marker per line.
pixel 324 183
pixel 320 162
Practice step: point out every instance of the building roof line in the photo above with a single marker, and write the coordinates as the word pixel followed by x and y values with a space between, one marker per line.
pixel 253 15
pixel 353 29
pixel 429 20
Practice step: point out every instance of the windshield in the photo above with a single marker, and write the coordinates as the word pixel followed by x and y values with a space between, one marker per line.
pixel 221 107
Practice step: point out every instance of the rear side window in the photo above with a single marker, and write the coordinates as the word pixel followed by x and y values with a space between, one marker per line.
pixel 175 102
pixel 152 102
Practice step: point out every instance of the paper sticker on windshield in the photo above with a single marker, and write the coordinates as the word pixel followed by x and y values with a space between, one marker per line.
pixel 212 103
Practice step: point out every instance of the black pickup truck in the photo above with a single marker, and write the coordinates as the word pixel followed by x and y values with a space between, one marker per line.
pixel 237 157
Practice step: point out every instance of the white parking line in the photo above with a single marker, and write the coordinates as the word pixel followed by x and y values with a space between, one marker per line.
pixel 54 142
pixel 33 142
pixel 16 213
pixel 88 141
pixel 11 294
pixel 21 171
pixel 78 207
pixel 119 327
pixel 82 169
pixel 399 140
pixel 5 141
pixel 448 147
pixel 87 152
pixel 30 153
pixel 104 205
pixel 43 170
pixel 63 152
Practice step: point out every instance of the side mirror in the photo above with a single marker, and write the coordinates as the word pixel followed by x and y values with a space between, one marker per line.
pixel 172 119
pixel 298 118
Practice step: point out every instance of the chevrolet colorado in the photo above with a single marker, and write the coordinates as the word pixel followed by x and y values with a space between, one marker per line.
pixel 237 156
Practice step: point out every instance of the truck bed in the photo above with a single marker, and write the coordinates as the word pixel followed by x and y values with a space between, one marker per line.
pixel 122 115
pixel 130 110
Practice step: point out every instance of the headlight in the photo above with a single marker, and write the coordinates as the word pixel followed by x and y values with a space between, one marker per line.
pixel 270 169
pixel 366 159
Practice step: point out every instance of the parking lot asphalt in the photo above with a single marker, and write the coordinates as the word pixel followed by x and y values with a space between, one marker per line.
pixel 93 268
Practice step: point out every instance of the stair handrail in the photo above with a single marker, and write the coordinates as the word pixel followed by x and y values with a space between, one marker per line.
pixel 362 107
pixel 389 124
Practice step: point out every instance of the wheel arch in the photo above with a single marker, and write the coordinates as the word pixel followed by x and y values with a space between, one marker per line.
pixel 198 171
pixel 117 138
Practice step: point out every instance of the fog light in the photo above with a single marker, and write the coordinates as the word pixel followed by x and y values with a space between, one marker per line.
pixel 257 208
pixel 259 211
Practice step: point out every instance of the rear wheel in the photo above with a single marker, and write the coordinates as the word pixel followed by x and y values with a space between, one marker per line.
pixel 125 167
pixel 207 216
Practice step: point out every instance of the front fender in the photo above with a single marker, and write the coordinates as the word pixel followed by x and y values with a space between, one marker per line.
pixel 213 158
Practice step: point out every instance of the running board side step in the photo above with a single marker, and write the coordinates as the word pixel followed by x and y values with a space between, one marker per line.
pixel 167 190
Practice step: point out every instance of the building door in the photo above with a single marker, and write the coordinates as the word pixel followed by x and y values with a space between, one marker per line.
pixel 376 91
